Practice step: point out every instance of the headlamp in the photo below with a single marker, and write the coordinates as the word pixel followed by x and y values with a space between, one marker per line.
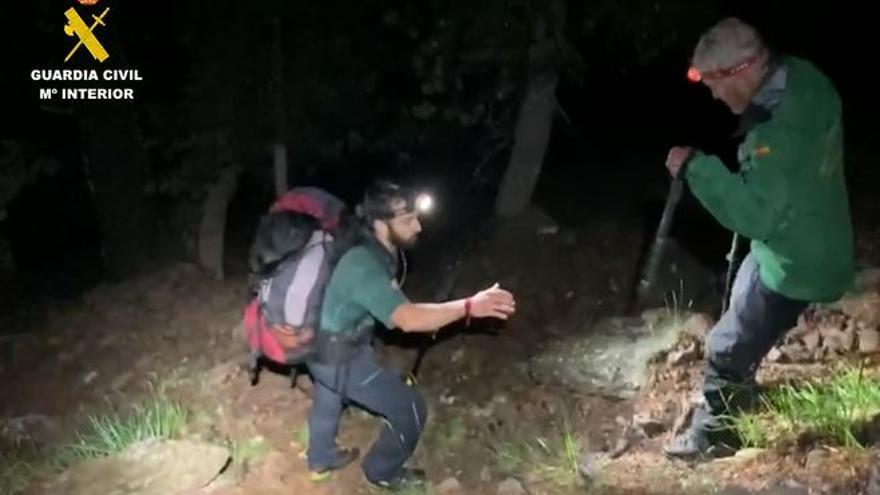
pixel 387 201
pixel 424 203
pixel 695 75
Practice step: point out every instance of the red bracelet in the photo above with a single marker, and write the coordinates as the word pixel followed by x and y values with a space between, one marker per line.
pixel 467 312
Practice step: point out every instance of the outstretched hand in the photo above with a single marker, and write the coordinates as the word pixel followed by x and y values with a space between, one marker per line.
pixel 493 302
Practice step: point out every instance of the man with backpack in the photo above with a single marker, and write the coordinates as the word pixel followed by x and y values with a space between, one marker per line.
pixel 361 291
pixel 296 245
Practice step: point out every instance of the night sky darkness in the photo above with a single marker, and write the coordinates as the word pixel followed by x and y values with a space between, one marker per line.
pixel 621 120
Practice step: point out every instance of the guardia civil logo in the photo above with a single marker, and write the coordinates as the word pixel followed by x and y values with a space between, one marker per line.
pixel 84 73
pixel 76 27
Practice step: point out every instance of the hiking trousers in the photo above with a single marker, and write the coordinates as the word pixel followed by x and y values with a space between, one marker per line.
pixel 755 321
pixel 378 390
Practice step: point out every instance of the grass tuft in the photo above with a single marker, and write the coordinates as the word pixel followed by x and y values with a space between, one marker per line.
pixel 835 412
pixel 157 418
pixel 15 473
pixel 554 461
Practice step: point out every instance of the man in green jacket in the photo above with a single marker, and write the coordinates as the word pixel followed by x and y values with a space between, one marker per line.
pixel 788 197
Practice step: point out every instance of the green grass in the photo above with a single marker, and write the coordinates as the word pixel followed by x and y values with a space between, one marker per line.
pixel 157 418
pixel 553 460
pixel 676 308
pixel 833 412
pixel 15 473
pixel 301 435
pixel 105 435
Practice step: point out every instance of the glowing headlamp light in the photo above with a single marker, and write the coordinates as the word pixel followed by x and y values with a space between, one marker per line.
pixel 695 75
pixel 424 203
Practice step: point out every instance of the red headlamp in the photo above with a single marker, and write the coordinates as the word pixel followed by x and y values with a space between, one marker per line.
pixel 694 75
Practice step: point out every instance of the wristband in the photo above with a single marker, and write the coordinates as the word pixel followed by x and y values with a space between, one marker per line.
pixel 467 312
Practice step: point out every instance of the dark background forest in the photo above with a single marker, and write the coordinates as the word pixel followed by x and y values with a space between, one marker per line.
pixel 492 105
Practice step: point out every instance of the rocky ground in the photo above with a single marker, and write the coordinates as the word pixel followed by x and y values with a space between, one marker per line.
pixel 570 394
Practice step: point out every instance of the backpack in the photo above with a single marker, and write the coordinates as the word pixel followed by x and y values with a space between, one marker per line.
pixel 290 262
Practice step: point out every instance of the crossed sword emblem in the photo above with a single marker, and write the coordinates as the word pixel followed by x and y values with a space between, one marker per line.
pixel 77 27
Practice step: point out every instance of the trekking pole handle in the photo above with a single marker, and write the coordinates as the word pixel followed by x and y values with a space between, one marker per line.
pixel 657 248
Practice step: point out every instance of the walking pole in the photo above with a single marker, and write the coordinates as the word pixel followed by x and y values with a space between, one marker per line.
pixel 648 275
pixel 728 280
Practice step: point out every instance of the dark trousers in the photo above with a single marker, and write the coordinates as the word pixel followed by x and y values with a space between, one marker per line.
pixel 756 320
pixel 376 389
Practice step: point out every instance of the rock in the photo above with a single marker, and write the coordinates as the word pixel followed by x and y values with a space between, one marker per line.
pixel 811 341
pixel 590 465
pixel 775 355
pixel 698 326
pixel 610 358
pixel 683 356
pixel 649 426
pixel 795 353
pixel 511 486
pixel 869 340
pixel 748 454
pixel 485 474
pixel 816 460
pixel 449 486
pixel 837 340
pixel 153 467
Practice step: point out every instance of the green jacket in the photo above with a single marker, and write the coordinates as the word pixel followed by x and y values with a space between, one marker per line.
pixel 789 196
pixel 361 290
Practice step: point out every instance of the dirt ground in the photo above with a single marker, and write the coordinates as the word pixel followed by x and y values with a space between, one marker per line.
pixel 179 327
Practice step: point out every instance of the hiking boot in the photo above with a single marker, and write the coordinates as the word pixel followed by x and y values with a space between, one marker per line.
pixel 695 445
pixel 409 478
pixel 344 457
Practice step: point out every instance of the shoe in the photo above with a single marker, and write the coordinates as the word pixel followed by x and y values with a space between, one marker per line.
pixel 695 445
pixel 409 478
pixel 344 457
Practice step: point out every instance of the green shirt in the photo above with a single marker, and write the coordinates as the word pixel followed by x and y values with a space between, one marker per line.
pixel 789 196
pixel 361 289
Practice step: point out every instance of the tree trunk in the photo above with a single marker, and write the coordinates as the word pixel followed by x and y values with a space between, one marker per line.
pixel 212 229
pixel 279 148
pixel 531 138
pixel 535 121
pixel 129 225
